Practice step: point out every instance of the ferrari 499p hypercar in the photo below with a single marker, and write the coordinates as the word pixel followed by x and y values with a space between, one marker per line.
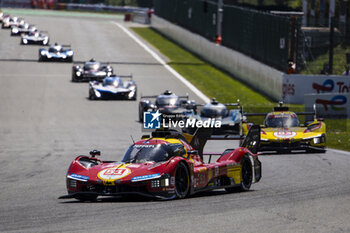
pixel 165 165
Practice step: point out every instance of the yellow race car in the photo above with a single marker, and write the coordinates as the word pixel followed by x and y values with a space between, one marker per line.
pixel 282 131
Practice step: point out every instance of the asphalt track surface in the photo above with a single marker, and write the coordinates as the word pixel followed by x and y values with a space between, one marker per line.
pixel 45 121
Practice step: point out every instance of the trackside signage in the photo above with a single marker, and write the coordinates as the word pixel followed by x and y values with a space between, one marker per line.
pixel 329 105
pixel 296 86
pixel 156 120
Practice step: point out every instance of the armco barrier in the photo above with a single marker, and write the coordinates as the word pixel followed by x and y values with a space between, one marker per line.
pixel 296 86
pixel 259 76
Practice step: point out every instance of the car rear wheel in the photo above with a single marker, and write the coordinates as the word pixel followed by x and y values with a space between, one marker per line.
pixel 182 181
pixel 141 110
pixel 247 176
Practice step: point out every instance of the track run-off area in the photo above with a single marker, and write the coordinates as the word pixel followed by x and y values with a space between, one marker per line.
pixel 46 121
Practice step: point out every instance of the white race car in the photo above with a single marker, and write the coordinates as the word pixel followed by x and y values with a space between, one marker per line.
pixel 56 52
pixel 35 37
pixel 113 88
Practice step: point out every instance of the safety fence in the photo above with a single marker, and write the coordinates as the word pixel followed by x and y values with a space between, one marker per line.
pixel 269 38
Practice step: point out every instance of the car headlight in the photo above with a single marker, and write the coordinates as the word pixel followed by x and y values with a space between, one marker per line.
pixel 25 41
pixel 14 30
pixel 164 181
pixel 78 73
pixel 42 53
pixel 70 53
pixel 318 140
pixel 97 93
pixel 109 73
pixel 131 94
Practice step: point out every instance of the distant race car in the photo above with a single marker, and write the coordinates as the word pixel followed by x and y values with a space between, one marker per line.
pixel 2 16
pixel 113 88
pixel 9 21
pixel 165 166
pixel 282 131
pixel 230 119
pixel 56 52
pixel 167 103
pixel 22 28
pixel 35 37
pixel 91 70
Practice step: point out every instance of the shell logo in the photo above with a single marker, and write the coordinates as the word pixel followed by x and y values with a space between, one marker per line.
pixel 113 173
pixel 284 134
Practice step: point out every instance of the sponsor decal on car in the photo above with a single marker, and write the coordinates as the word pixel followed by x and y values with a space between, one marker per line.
pixel 145 177
pixel 78 177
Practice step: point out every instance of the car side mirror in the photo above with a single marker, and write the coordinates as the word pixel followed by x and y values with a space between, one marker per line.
pixel 94 153
pixel 192 152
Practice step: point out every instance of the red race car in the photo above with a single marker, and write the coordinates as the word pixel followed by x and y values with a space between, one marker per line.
pixel 166 165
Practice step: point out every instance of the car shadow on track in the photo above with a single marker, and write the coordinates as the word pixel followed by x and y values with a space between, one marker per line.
pixel 18 60
pixel 138 198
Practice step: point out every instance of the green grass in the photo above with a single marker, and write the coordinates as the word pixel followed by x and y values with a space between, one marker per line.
pixel 215 83
pixel 211 81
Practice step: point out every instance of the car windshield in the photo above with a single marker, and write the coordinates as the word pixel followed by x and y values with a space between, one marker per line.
pixel 282 121
pixel 54 49
pixel 214 111
pixel 91 66
pixel 112 82
pixel 168 100
pixel 146 153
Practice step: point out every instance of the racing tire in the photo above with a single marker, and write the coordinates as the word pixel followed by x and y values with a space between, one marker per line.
pixel 84 198
pixel 74 77
pixel 91 95
pixel 247 176
pixel 182 181
pixel 141 110
pixel 135 96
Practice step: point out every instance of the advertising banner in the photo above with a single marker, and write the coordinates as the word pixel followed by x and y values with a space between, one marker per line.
pixel 329 105
pixel 296 86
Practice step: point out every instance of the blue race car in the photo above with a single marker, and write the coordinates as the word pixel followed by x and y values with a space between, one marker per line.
pixel 113 88
pixel 56 52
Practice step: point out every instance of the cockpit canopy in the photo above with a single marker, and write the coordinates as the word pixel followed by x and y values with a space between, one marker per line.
pixel 148 152
pixel 112 81
pixel 92 65
pixel 214 110
pixel 281 120
pixel 55 49
pixel 170 100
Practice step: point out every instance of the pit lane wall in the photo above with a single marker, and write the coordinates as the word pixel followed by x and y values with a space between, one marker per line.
pixel 259 76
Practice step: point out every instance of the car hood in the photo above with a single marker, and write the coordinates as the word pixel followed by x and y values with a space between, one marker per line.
pixel 111 173
pixel 295 133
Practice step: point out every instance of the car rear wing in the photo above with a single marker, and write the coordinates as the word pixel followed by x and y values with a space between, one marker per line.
pixel 202 135
pixel 122 76
pixel 155 96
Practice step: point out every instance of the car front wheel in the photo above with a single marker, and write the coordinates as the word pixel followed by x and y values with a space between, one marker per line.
pixel 182 181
